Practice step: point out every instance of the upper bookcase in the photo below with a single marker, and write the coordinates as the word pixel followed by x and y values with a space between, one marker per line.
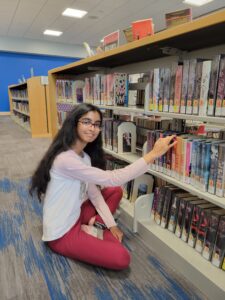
pixel 204 32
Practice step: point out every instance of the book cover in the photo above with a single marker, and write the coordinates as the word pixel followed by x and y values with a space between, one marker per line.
pixel 178 17
pixel 159 208
pixel 213 85
pixel 188 217
pixel 184 88
pixel 219 248
pixel 197 90
pixel 220 180
pixel 178 87
pixel 173 214
pixel 121 89
pixel 142 28
pixel 213 168
pixel 205 165
pixel 172 86
pixel 191 86
pixel 170 191
pixel 166 89
pixel 161 88
pixel 206 70
pixel 156 83
pixel 203 228
pixel 220 88
pixel 181 213
pixel 111 40
pixel 195 221
pixel 210 237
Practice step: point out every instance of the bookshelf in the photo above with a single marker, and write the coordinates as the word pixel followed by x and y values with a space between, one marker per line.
pixel 205 32
pixel 29 105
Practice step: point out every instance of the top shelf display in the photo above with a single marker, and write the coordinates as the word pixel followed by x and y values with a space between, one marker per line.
pixel 206 31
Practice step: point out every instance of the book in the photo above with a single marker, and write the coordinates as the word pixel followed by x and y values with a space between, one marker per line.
pixel 142 28
pixel 170 191
pixel 175 203
pixel 213 85
pixel 181 213
pixel 111 40
pixel 197 90
pixel 220 179
pixel 121 89
pixel 188 217
pixel 159 207
pixel 206 70
pixel 203 228
pixel 184 89
pixel 210 237
pixel 195 221
pixel 178 17
pixel 128 34
pixel 220 88
pixel 219 248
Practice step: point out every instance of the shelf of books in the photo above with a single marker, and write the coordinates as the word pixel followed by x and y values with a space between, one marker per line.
pixel 29 105
pixel 184 97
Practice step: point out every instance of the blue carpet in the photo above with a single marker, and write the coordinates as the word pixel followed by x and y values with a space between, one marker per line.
pixel 29 270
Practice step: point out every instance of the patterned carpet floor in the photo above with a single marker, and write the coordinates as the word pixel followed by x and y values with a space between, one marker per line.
pixel 28 268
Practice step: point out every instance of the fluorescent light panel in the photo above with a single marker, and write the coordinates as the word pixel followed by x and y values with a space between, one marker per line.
pixel 197 2
pixel 75 13
pixel 52 32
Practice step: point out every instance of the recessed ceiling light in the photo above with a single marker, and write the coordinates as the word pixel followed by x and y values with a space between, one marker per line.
pixel 75 13
pixel 52 32
pixel 197 2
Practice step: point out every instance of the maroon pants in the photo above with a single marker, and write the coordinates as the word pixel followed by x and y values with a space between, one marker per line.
pixel 77 244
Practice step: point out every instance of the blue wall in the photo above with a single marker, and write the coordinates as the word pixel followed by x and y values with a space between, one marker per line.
pixel 14 65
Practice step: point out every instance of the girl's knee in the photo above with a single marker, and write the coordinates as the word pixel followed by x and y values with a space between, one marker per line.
pixel 122 260
pixel 119 191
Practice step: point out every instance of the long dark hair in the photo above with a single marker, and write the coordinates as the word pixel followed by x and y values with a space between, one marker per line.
pixel 63 141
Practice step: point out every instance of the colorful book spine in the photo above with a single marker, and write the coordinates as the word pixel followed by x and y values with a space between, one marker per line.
pixel 213 168
pixel 166 90
pixel 213 85
pixel 218 255
pixel 197 91
pixel 220 89
pixel 184 90
pixel 172 86
pixel 220 180
pixel 156 84
pixel 191 86
pixel 188 161
pixel 178 87
pixel 203 103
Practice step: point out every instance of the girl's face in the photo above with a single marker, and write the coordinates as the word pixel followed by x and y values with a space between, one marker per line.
pixel 89 127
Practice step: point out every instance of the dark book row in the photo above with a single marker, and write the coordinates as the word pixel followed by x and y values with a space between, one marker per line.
pixel 197 222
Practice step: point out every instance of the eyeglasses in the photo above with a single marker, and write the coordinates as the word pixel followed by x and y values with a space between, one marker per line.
pixel 89 123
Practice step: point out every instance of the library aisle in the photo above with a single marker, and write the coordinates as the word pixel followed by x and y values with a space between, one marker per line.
pixel 29 270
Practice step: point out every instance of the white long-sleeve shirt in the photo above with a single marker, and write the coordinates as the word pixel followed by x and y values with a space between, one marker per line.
pixel 73 180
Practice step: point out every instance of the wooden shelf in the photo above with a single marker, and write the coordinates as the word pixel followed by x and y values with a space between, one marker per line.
pixel 22 112
pixel 20 99
pixel 37 99
pixel 130 158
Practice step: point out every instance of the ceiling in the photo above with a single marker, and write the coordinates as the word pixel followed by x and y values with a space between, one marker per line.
pixel 29 18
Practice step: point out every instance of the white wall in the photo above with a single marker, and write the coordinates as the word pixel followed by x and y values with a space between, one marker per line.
pixel 21 45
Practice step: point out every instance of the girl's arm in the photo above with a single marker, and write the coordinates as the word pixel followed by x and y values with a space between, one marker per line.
pixel 69 165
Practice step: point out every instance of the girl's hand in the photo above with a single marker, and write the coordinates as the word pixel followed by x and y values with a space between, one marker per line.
pixel 161 146
pixel 116 232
